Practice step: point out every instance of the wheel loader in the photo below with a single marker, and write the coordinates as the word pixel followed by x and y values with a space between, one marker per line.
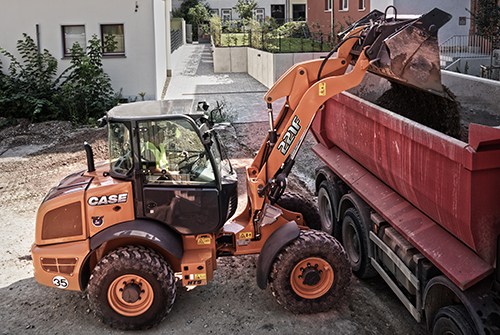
pixel 163 205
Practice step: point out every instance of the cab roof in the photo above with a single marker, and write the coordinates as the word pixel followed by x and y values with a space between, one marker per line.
pixel 155 109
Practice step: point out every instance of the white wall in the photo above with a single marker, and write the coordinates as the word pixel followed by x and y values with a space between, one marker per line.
pixel 456 8
pixel 134 73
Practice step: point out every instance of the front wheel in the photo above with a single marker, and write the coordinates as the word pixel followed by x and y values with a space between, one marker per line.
pixel 297 203
pixel 132 288
pixel 311 274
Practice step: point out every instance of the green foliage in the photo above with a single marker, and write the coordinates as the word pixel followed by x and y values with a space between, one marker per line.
pixel 199 14
pixel 87 89
pixel 487 21
pixel 32 89
pixel 245 8
pixel 216 29
pixel 183 12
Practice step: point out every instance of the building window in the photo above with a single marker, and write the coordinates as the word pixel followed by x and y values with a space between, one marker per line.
pixel 299 12
pixel 72 35
pixel 278 13
pixel 361 5
pixel 328 5
pixel 259 14
pixel 226 15
pixel 343 5
pixel 113 39
pixel 214 12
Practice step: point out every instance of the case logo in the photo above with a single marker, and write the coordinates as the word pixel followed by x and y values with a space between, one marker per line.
pixel 108 199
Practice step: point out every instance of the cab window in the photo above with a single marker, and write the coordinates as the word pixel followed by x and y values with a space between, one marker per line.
pixel 120 150
pixel 172 153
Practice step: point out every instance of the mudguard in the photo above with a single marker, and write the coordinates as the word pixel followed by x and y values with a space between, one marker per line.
pixel 281 237
pixel 160 234
pixel 152 231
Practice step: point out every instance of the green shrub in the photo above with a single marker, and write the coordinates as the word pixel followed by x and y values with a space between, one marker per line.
pixel 32 89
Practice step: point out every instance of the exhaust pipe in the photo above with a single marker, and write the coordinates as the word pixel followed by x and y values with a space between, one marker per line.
pixel 90 157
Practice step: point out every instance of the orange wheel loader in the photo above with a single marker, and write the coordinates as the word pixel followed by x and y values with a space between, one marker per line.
pixel 164 202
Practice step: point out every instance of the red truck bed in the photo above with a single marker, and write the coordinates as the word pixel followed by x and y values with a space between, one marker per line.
pixel 454 185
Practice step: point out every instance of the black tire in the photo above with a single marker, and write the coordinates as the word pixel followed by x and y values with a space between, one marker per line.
pixel 132 288
pixel 297 203
pixel 327 205
pixel 355 240
pixel 453 320
pixel 322 260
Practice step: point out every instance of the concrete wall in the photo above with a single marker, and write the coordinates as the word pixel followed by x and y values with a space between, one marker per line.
pixel 142 69
pixel 477 94
pixel 227 60
pixel 264 66
pixel 473 66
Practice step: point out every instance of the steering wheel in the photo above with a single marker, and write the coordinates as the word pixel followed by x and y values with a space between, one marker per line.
pixel 122 165
pixel 191 163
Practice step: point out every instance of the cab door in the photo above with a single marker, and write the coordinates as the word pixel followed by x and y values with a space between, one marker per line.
pixel 181 192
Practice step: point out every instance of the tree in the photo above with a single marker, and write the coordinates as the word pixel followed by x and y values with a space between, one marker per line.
pixel 183 12
pixel 487 20
pixel 245 8
pixel 199 14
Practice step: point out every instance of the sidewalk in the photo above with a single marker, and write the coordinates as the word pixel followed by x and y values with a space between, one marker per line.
pixel 193 77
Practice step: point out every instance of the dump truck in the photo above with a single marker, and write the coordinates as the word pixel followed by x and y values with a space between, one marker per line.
pixel 415 206
pixel 164 203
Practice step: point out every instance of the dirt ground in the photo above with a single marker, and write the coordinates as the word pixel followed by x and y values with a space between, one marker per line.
pixel 34 157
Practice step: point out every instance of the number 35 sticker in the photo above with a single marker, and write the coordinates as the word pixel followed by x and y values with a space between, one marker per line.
pixel 60 282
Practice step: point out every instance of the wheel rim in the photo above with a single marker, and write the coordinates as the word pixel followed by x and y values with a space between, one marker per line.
pixel 312 278
pixel 352 243
pixel 130 295
pixel 325 209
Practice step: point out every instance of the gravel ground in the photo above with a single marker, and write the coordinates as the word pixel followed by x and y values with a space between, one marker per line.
pixel 35 157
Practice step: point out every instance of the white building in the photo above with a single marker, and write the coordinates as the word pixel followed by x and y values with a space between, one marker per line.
pixel 459 24
pixel 225 9
pixel 139 64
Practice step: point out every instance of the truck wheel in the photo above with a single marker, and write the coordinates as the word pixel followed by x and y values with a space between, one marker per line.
pixel 132 288
pixel 355 241
pixel 453 320
pixel 297 203
pixel 311 274
pixel 327 204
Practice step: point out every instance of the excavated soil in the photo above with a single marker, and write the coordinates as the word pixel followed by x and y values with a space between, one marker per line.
pixel 436 112
pixel 34 157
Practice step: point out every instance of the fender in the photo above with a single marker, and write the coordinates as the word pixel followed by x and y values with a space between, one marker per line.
pixel 281 237
pixel 154 232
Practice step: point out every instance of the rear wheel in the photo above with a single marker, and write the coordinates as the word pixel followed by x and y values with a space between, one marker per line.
pixel 297 203
pixel 355 241
pixel 311 274
pixel 326 205
pixel 132 288
pixel 453 320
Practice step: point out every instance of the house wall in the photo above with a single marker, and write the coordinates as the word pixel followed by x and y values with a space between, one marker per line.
pixel 344 18
pixel 457 8
pixel 142 69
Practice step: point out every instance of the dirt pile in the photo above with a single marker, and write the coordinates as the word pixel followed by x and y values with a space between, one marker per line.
pixel 431 110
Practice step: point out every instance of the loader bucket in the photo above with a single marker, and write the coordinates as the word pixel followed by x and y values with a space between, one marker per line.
pixel 405 49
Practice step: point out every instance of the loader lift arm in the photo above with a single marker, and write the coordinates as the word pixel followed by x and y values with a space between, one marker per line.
pixel 305 95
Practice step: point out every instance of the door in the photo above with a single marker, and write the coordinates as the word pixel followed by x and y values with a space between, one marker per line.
pixel 179 183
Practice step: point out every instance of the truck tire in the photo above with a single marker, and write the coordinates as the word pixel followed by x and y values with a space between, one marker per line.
pixel 132 288
pixel 327 203
pixel 311 274
pixel 453 320
pixel 297 203
pixel 355 240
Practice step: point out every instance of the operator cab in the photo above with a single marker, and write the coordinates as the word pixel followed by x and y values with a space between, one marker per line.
pixel 180 171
